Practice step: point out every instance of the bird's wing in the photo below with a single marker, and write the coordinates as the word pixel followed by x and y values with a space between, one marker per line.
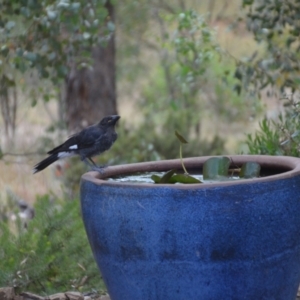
pixel 82 140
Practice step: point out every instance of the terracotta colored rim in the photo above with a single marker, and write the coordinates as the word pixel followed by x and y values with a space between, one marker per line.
pixel 285 166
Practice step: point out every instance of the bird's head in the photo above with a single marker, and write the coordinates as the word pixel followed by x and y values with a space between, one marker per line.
pixel 109 121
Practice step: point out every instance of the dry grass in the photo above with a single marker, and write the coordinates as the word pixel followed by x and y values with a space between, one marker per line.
pixel 17 170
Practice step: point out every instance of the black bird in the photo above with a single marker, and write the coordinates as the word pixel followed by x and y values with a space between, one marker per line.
pixel 90 142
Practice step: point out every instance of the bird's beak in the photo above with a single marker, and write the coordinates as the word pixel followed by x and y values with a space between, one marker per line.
pixel 115 119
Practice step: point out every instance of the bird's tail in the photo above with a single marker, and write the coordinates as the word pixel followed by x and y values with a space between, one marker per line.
pixel 45 163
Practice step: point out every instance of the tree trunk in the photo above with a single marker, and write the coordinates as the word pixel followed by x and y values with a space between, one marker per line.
pixel 91 94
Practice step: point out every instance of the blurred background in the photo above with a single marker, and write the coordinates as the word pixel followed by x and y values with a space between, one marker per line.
pixel 225 74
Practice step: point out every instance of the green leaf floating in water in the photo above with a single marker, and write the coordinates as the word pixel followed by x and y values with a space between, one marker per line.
pixel 170 177
pixel 155 178
pixel 250 170
pixel 166 178
pixel 216 168
pixel 184 178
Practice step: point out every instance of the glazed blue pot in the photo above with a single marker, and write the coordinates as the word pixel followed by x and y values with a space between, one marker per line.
pixel 230 240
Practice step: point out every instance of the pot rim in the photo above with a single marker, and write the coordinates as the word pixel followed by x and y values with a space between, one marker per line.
pixel 285 165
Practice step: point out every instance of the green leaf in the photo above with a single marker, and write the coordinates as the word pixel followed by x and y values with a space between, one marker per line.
pixel 10 24
pixel 46 97
pixel 62 71
pixel 184 178
pixel 51 14
pixel 31 56
pixel 44 73
pixel 237 88
pixel 75 6
pixel 250 170
pixel 111 26
pixel 19 51
pixel 170 177
pixel 51 56
pixel 87 23
pixel 167 176
pixel 8 80
pixel 4 50
pixel 63 4
pixel 91 12
pixel 216 168
pixel 155 178
pixel 25 11
pixel 33 102
pixel 180 137
pixel 86 35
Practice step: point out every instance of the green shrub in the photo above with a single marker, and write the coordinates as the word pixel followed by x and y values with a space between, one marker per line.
pixel 52 254
pixel 278 137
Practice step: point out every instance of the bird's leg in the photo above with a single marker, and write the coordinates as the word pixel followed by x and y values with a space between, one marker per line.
pixel 92 165
pixel 87 163
pixel 101 167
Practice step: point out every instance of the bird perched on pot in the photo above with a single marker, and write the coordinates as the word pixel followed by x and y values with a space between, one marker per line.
pixel 89 142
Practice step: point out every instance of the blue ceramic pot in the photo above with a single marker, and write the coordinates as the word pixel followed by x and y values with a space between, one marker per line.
pixel 228 240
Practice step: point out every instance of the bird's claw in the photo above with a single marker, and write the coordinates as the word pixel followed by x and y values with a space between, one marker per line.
pixel 98 169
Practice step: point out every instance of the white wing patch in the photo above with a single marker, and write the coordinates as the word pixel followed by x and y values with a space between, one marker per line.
pixel 73 147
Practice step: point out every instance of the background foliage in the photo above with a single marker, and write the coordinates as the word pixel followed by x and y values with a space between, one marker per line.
pixel 44 39
pixel 276 25
pixel 278 137
pixel 51 254
pixel 275 72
